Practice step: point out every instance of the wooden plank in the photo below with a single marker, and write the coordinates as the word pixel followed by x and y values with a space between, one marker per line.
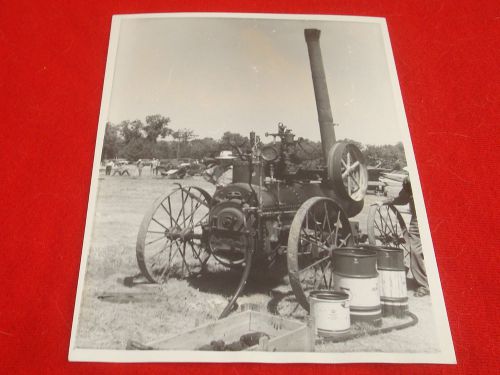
pixel 275 319
pixel 210 331
pixel 294 341
pixel 285 335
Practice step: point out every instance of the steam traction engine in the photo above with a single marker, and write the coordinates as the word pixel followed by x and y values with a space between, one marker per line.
pixel 273 213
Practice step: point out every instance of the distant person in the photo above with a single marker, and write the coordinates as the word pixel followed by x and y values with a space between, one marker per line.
pixel 109 167
pixel 121 169
pixel 156 165
pixel 222 173
pixel 140 165
pixel 117 169
pixel 417 264
pixel 152 166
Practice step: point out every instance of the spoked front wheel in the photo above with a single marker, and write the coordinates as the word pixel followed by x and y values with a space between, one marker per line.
pixel 386 227
pixel 169 243
pixel 319 227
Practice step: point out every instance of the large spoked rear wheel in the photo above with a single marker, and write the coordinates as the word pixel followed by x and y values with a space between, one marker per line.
pixel 320 226
pixel 386 227
pixel 169 243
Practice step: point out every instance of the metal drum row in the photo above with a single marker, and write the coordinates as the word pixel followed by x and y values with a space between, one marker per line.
pixel 369 282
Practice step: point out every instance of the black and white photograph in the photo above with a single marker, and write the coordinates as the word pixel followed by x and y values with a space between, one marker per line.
pixel 255 198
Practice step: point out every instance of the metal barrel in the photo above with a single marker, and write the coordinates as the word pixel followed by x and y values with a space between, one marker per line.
pixel 325 117
pixel 355 273
pixel 392 281
pixel 330 312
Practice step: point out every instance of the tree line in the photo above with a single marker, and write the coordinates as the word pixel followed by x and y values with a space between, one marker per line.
pixel 154 138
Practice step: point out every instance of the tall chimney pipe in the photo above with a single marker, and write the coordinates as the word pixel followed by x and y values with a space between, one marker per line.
pixel 320 90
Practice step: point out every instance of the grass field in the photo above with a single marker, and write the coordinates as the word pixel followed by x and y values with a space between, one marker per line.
pixel 112 313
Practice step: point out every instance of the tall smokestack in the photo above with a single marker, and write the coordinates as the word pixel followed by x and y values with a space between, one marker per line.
pixel 320 90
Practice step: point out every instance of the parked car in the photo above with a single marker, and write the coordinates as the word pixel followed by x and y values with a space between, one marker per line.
pixel 168 164
pixel 375 185
pixel 394 178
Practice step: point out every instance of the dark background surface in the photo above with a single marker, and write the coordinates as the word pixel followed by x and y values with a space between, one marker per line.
pixel 52 61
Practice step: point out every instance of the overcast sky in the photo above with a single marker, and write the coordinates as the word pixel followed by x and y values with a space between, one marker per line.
pixel 215 75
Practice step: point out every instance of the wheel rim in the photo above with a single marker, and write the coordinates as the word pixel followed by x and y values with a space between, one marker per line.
pixel 169 244
pixel 353 175
pixel 386 227
pixel 347 169
pixel 319 227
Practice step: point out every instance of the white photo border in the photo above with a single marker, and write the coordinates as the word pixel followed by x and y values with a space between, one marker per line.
pixel 443 333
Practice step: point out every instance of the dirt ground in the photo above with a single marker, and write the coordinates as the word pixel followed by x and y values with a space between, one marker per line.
pixel 112 313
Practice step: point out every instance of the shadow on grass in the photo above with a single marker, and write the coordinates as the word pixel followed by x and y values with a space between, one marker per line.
pixel 224 282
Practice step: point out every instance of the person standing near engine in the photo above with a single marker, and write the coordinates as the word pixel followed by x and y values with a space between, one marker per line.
pixel 417 264
pixel 222 173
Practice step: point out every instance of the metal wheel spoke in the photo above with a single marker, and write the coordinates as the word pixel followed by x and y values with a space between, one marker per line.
pixel 383 233
pixel 390 220
pixel 312 265
pixel 378 228
pixel 196 198
pixel 156 232
pixel 387 227
pixel 155 240
pixel 382 221
pixel 394 225
pixel 323 273
pixel 168 211
pixel 319 244
pixel 330 230
pixel 352 169
pixel 156 221
pixel 167 268
pixel 185 260
pixel 337 229
pixel 181 211
pixel 343 242
pixel 191 215
pixel 179 251
pixel 199 221
pixel 349 187
pixel 324 219
pixel 183 202
pixel 197 253
pixel 330 281
pixel 183 255
pixel 155 255
pixel 351 174
pixel 356 182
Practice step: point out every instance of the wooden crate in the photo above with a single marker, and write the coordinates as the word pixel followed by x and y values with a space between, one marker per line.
pixel 284 335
